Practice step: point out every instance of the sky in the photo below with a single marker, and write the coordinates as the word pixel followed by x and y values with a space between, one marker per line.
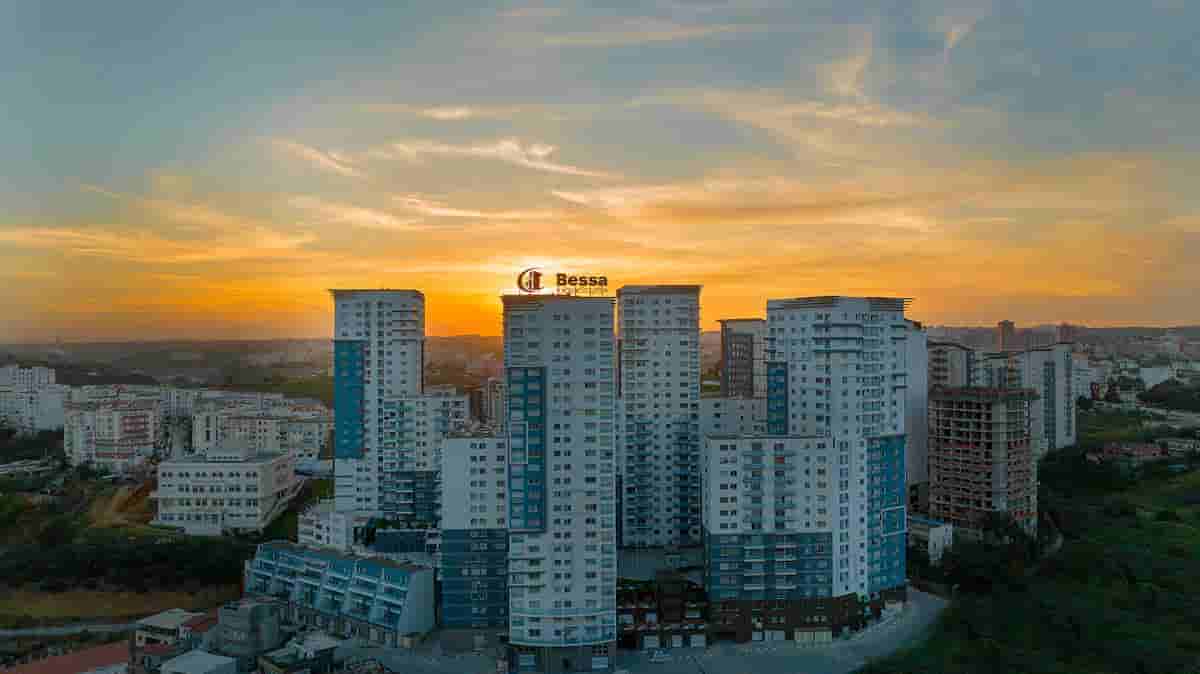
pixel 210 170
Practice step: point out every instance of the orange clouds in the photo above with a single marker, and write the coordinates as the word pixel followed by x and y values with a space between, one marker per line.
pixel 1071 235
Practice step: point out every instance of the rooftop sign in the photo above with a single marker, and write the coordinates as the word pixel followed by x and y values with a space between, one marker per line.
pixel 530 283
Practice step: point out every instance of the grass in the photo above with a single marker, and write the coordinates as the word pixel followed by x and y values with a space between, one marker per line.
pixel 16 606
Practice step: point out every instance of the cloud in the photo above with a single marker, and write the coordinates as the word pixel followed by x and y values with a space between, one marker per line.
pixel 437 210
pixel 358 216
pixel 152 249
pixel 533 156
pixel 845 77
pixel 449 113
pixel 532 12
pixel 193 215
pixel 645 31
pixel 327 161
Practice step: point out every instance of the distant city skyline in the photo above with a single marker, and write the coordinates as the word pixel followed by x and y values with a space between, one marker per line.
pixel 208 171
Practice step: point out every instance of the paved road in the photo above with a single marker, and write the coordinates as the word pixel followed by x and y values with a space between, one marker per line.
pixel 64 630
pixel 839 657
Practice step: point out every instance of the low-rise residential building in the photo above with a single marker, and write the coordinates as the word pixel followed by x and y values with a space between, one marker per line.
pixel 248 628
pixel 1133 453
pixel 30 410
pixel 934 537
pixel 226 490
pixel 376 600
pixel 107 659
pixel 311 653
pixel 321 525
pixel 271 426
pixel 981 457
pixel 1179 447
pixel 474 531
pixel 200 662
pixel 27 468
pixel 163 636
pixel 667 612
pixel 26 378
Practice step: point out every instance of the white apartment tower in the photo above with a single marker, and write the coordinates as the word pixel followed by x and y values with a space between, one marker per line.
pixel 659 329
pixel 560 382
pixel 837 367
pixel 379 353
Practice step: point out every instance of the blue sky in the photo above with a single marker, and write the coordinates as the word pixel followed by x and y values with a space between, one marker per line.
pixel 1024 160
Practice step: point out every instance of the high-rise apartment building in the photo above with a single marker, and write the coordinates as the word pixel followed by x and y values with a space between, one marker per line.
pixel 743 358
pixel 771 531
pixel 837 368
pixel 659 329
pixel 494 411
pixel 560 383
pixel 1006 336
pixel 410 476
pixel 474 531
pixel 378 347
pixel 916 423
pixel 1049 370
pixel 1065 333
pixel 951 364
pixel 980 456
pixel 732 416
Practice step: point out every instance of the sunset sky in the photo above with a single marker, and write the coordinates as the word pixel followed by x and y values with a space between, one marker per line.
pixel 209 169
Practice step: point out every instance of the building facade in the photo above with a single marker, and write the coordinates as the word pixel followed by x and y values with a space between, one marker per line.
pixel 951 364
pixel 560 383
pixel 233 490
pixel 770 520
pixel 916 407
pixel 837 368
pixel 981 458
pixel 732 416
pixel 379 354
pixel 931 536
pixel 659 328
pixel 474 531
pixel 743 361
pixel 494 411
pixel 376 600
pixel 1006 336
pixel 26 378
pixel 116 435
pixel 30 410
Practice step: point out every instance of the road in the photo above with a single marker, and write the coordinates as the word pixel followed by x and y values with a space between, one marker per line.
pixel 839 657
pixel 64 630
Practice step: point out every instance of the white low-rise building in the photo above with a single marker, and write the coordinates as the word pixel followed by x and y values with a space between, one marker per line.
pixel 321 525
pixel 227 490
pixel 933 536
pixel 273 426
pixel 26 378
pixel 29 410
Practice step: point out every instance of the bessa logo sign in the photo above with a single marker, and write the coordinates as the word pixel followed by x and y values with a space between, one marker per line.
pixel 568 280
pixel 530 280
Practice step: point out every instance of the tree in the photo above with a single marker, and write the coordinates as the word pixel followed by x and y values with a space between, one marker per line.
pixel 1084 404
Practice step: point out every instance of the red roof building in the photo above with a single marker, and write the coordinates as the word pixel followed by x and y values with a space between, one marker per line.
pixel 79 662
